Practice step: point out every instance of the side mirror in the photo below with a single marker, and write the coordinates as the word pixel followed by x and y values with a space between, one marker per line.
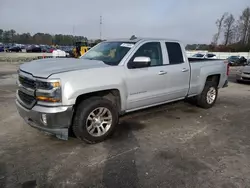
pixel 140 62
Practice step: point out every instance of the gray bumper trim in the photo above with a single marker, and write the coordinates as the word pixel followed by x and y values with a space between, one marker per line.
pixel 225 84
pixel 58 119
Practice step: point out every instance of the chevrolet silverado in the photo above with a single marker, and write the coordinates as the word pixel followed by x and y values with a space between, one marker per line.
pixel 88 95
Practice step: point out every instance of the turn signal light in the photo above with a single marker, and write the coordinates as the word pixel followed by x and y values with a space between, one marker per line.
pixel 47 99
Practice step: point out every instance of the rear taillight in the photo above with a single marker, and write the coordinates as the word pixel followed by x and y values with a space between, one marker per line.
pixel 228 69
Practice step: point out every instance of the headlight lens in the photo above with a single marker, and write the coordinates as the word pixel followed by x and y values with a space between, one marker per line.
pixel 47 85
pixel 48 91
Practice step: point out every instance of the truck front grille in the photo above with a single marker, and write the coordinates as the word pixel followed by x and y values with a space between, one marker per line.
pixel 28 100
pixel 27 82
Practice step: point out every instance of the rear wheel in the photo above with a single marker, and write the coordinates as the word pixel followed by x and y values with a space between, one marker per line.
pixel 95 120
pixel 208 96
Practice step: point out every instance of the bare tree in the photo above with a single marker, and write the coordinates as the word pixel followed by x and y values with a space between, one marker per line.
pixel 237 32
pixel 219 24
pixel 244 24
pixel 229 28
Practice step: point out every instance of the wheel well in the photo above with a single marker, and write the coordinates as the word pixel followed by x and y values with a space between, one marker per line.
pixel 112 94
pixel 214 78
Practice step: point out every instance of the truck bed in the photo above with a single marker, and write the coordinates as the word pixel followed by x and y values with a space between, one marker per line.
pixel 202 67
pixel 195 60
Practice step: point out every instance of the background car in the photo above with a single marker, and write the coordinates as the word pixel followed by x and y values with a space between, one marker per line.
pixel 205 56
pixel 45 48
pixel 33 48
pixel 237 60
pixel 14 49
pixel 1 49
pixel 243 75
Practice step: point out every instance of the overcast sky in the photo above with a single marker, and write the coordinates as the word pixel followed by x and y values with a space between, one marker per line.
pixel 192 21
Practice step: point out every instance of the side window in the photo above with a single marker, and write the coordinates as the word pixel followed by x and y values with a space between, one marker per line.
pixel 151 50
pixel 174 53
pixel 210 55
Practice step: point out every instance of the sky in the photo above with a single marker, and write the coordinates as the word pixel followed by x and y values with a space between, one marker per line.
pixel 191 21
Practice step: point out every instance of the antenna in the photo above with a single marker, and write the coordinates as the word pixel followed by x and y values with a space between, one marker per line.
pixel 101 27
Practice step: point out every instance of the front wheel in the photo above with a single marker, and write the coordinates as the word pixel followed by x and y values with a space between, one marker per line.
pixel 95 120
pixel 208 96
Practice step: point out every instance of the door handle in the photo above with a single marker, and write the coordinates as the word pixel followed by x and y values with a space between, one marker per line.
pixel 162 72
pixel 185 70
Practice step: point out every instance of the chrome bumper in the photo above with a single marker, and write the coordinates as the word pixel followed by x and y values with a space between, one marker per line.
pixel 58 119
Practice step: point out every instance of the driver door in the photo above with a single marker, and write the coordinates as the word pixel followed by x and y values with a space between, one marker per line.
pixel 146 86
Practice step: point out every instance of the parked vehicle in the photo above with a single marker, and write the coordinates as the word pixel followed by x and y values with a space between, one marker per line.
pixel 243 75
pixel 1 49
pixel 45 48
pixel 205 56
pixel 33 48
pixel 237 60
pixel 14 49
pixel 115 77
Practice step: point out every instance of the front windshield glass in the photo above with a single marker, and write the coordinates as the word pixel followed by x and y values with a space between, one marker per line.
pixel 110 53
pixel 198 55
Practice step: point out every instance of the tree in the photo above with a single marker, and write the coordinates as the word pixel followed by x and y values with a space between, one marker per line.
pixel 244 24
pixel 229 29
pixel 219 24
pixel 6 37
pixel 12 34
pixel 1 35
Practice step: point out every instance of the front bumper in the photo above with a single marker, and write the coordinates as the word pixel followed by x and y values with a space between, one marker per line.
pixel 58 119
pixel 243 77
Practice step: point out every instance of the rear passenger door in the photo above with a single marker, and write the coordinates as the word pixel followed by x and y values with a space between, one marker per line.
pixel 178 71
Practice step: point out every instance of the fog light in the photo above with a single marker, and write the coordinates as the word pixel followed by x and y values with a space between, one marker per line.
pixel 44 119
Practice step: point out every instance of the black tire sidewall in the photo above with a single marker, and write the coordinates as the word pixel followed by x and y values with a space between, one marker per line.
pixel 82 113
pixel 202 99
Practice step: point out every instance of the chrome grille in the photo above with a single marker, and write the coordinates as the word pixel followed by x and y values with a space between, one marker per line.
pixel 27 82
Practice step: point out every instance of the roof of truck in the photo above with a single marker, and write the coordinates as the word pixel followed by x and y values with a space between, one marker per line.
pixel 137 39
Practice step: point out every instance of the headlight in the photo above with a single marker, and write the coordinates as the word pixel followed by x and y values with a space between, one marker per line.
pixel 48 91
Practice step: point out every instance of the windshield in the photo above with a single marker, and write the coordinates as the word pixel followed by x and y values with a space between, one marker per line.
pixel 234 57
pixel 198 55
pixel 110 53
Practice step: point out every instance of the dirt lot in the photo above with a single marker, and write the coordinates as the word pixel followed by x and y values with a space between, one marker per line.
pixel 13 57
pixel 176 145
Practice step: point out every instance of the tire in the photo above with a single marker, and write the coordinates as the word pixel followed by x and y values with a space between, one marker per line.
pixel 202 99
pixel 81 121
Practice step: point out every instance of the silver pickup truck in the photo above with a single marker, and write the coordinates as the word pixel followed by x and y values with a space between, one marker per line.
pixel 87 95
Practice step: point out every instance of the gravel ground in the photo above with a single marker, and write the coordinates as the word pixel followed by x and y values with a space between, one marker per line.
pixel 174 145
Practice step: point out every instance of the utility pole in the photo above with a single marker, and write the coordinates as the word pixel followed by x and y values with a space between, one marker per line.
pixel 73 35
pixel 73 30
pixel 101 27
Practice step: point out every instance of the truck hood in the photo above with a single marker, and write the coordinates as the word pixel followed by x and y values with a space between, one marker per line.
pixel 46 67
